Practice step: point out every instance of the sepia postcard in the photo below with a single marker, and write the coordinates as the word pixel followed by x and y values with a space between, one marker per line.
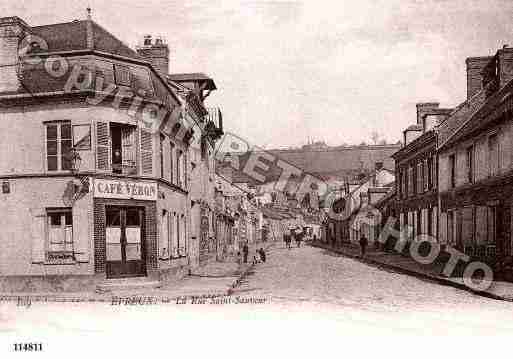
pixel 255 179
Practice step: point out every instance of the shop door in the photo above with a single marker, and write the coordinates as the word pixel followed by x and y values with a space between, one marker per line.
pixel 124 234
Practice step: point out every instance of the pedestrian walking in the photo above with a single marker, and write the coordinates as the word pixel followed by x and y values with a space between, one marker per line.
pixel 299 238
pixel 245 252
pixel 363 244
pixel 239 259
pixel 262 255
pixel 287 239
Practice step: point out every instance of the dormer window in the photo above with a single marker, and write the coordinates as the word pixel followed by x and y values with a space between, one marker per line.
pixel 122 74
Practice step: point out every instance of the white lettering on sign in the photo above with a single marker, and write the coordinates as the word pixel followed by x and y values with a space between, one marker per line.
pixel 125 189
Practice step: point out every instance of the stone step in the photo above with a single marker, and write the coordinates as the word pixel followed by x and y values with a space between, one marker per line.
pixel 122 284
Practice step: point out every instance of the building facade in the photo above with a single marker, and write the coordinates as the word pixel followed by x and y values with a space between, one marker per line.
pixel 95 178
pixel 475 165
pixel 416 202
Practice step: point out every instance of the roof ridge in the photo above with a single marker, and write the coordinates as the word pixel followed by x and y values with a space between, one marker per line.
pixel 61 23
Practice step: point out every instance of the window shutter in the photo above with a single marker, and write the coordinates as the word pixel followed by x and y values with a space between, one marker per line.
pixel 146 152
pixel 442 234
pixel 480 225
pixel 81 231
pixel 434 229
pixel 467 228
pixel 426 175
pixel 37 233
pixel 103 146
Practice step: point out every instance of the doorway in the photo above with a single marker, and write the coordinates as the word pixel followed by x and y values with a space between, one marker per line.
pixel 125 249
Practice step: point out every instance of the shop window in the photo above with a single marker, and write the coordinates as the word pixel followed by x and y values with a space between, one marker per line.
pixel 58 146
pixel 59 234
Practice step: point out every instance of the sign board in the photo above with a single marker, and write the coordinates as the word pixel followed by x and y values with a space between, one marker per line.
pixel 123 189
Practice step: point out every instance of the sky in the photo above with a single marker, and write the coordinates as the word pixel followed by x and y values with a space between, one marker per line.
pixel 292 72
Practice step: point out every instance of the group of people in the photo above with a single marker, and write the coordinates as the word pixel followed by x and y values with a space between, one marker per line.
pixel 259 257
pixel 291 235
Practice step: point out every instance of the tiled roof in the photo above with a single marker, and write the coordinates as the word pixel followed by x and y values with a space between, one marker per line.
pixel 462 113
pixel 73 36
pixel 497 103
pixel 191 77
pixel 341 163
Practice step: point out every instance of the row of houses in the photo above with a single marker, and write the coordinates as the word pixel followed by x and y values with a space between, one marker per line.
pixel 107 161
pixel 454 171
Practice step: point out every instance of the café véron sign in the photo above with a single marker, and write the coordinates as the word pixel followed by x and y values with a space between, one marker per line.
pixel 121 189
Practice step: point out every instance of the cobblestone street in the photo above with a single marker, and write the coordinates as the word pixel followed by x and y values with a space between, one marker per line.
pixel 315 279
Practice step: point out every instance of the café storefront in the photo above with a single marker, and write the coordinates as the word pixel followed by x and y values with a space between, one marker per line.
pixel 125 241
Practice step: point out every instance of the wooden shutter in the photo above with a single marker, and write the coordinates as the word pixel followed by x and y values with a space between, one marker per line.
pixel 480 225
pixel 103 148
pixel 434 228
pixel 443 225
pixel 467 229
pixel 81 233
pixel 38 235
pixel 426 175
pixel 146 142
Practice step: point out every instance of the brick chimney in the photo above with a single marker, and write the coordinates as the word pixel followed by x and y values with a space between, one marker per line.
pixel 12 31
pixel 424 108
pixel 476 67
pixel 155 51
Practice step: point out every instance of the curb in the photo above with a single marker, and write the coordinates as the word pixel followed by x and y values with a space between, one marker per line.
pixel 439 280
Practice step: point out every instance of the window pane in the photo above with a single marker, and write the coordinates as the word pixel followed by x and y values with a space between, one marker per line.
pixel 55 218
pixel 113 218
pixel 51 132
pixel 65 152
pixel 113 252
pixel 56 247
pixel 132 217
pixel 133 252
pixel 52 163
pixel 68 218
pixel 66 131
pixel 51 147
pixel 82 137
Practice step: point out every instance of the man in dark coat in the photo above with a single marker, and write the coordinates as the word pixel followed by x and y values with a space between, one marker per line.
pixel 363 244
pixel 245 252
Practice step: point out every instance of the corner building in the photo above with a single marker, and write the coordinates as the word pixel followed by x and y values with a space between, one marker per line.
pixel 88 195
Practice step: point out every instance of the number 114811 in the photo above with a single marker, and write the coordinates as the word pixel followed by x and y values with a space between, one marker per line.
pixel 28 347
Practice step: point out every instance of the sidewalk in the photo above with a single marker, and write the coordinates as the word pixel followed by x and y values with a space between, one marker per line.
pixel 211 280
pixel 400 263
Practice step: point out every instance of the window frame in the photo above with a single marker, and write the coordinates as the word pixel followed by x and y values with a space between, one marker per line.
pixel 491 171
pixel 452 170
pixel 121 70
pixel 63 211
pixel 59 155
